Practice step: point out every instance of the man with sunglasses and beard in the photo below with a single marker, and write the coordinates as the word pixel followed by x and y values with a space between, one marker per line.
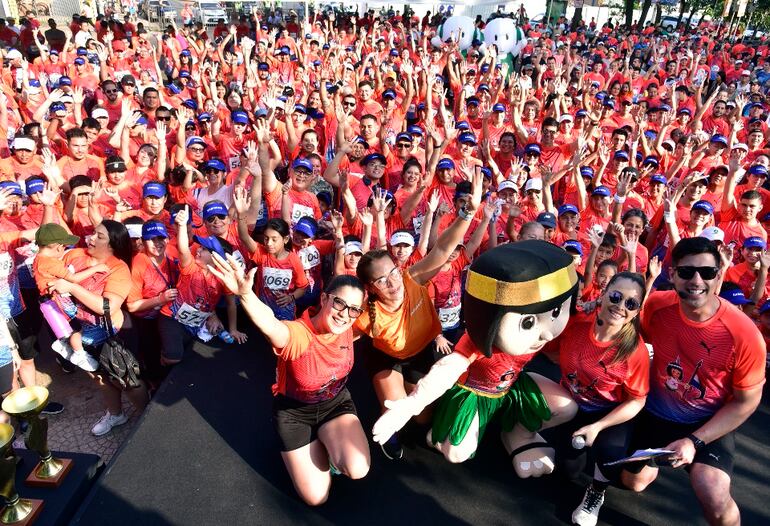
pixel 706 379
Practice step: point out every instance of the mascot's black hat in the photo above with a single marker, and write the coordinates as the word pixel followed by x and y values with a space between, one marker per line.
pixel 528 277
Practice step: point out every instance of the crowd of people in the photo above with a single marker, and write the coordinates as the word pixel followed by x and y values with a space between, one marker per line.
pixel 331 181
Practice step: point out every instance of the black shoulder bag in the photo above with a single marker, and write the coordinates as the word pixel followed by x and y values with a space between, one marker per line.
pixel 116 360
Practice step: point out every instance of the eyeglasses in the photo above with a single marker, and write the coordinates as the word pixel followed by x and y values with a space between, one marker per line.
pixel 128 85
pixel 616 297
pixel 391 277
pixel 688 272
pixel 340 306
pixel 163 118
pixel 211 219
pixel 376 166
pixel 196 149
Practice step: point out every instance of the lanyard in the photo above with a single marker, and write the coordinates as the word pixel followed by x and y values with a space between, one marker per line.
pixel 169 283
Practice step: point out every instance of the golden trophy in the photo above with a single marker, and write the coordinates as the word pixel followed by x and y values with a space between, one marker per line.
pixel 16 511
pixel 26 404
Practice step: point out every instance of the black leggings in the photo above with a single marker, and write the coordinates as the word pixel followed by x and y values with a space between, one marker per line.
pixel 611 444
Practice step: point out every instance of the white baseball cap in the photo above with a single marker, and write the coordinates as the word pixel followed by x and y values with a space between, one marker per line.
pixel 507 185
pixel 402 238
pixel 99 112
pixel 713 233
pixel 566 117
pixel 533 184
pixel 351 247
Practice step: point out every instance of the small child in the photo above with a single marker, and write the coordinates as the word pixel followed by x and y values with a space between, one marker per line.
pixel 48 266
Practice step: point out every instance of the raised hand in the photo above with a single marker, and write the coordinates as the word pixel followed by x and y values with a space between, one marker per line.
pixel 241 200
pixel 232 274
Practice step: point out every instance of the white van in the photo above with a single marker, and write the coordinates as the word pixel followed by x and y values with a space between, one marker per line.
pixel 210 12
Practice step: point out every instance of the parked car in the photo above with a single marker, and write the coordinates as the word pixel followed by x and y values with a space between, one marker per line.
pixel 210 12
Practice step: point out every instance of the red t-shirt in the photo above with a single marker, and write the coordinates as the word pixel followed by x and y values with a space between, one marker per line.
pixel 493 375
pixel 312 367
pixel 588 372
pixel 697 366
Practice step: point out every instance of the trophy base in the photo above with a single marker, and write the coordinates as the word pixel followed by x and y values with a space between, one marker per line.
pixel 37 507
pixel 49 482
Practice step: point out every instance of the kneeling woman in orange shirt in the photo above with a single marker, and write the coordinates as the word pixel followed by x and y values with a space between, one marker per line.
pixel 313 413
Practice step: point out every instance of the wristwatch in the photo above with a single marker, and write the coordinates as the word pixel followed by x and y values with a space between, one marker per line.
pixel 697 442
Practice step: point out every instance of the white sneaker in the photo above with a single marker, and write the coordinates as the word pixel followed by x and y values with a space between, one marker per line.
pixel 84 360
pixel 63 348
pixel 107 422
pixel 587 514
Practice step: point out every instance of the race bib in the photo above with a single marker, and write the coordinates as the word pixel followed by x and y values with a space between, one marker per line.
pixel 310 257
pixel 262 214
pixel 190 316
pixel 298 211
pixel 239 258
pixel 276 278
pixel 234 162
pixel 6 265
pixel 417 222
pixel 449 317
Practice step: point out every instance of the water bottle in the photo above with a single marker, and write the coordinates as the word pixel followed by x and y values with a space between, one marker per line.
pixel 226 337
pixel 579 442
pixel 56 319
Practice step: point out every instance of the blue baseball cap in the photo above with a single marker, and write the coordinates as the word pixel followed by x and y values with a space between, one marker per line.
pixel 263 66
pixel 601 191
pixel 360 140
pixel 184 74
pixel 403 136
pixel 153 229
pixel 306 225
pixel 498 108
pixel 300 108
pixel 547 219
pixel 532 148
pixel 651 159
pixel 651 134
pixel 573 244
pixel 373 157
pixel 185 53
pixel 57 106
pixel 659 178
pixel 462 125
pixel 587 171
pixel 415 130
pixel 153 189
pixel 142 121
pixel 189 103
pixel 81 51
pixel 736 297
pixel 568 209
pixel 211 244
pixel 13 186
pixel 195 140
pixel 173 88
pixel 758 170
pixel 215 164
pixel 719 139
pixel 213 208
pixel 80 61
pixel 388 94
pixel 445 164
pixel 486 172
pixel 621 155
pixel 765 307
pixel 204 117
pixel 34 185
pixel 467 137
pixel 482 87
pixel 260 112
pixel 301 162
pixel 705 206
pixel 472 101
pixel 581 113
pixel 64 80
pixel 239 117
pixel 754 242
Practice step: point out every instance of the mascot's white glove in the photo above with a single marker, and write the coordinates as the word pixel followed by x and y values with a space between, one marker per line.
pixel 439 379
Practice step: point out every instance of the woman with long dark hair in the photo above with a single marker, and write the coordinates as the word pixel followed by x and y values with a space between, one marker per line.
pixel 109 245
pixel 606 368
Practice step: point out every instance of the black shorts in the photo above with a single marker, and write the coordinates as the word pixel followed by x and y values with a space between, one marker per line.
pixel 6 378
pixel 174 338
pixel 22 333
pixel 412 368
pixel 297 422
pixel 653 432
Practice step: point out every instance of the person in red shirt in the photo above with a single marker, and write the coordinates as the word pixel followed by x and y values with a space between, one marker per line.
pixel 706 379
pixel 739 219
pixel 606 368
pixel 314 415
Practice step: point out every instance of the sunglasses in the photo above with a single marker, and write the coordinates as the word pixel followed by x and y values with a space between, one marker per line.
pixel 403 145
pixel 164 118
pixel 211 219
pixel 196 150
pixel 110 91
pixel 128 85
pixel 688 272
pixel 349 104
pixel 616 297
pixel 340 306
pixel 189 128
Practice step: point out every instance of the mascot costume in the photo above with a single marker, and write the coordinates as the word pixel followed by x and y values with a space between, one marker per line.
pixel 517 298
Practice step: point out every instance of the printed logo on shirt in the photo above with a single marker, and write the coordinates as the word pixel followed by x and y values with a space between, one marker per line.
pixel 276 278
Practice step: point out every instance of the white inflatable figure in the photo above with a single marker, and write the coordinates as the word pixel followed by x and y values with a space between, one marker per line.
pixel 507 37
pixel 517 298
pixel 461 28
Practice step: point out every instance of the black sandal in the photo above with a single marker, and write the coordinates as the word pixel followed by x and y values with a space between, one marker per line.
pixel 527 447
